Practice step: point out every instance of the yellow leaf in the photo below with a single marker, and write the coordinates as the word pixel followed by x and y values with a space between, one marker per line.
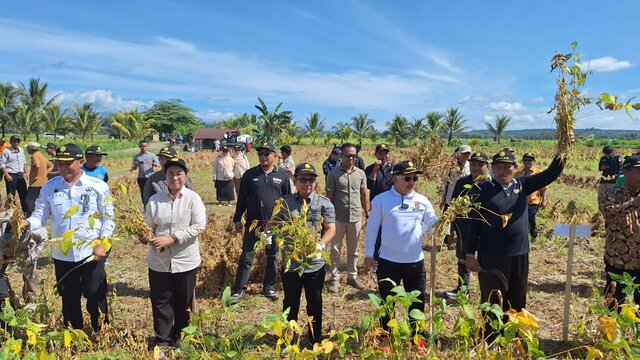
pixel 72 211
pixel 327 346
pixel 593 353
pixel 156 352
pixel 392 323
pixel 92 222
pixel 107 244
pixel 294 325
pixel 608 327
pixel 31 337
pixel 66 335
pixel 95 243
pixel 15 345
pixel 67 235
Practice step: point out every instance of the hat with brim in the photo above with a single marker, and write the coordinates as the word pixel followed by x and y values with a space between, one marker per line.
pixel 479 156
pixel 33 146
pixel 465 149
pixel 168 151
pixel 69 152
pixel 175 161
pixel 632 161
pixel 266 146
pixel 405 168
pixel 528 156
pixel 51 145
pixel 305 168
pixel 382 147
pixel 504 157
pixel 94 150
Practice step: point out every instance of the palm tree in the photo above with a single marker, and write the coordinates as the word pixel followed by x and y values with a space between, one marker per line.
pixel 272 122
pixel 133 124
pixel 23 119
pixel 86 120
pixel 417 128
pixel 373 135
pixel 328 138
pixel 343 131
pixel 34 97
pixel 54 120
pixel 398 128
pixel 7 101
pixel 361 124
pixel 313 126
pixel 499 126
pixel 453 123
pixel 434 122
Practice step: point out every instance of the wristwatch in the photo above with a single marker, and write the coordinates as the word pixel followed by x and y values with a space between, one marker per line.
pixel 175 239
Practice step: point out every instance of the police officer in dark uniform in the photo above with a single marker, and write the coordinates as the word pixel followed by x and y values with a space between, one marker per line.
pixel 379 178
pixel 610 167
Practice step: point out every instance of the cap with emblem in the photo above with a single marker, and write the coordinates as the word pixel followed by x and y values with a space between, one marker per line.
pixel 168 152
pixel 632 161
pixel 528 156
pixel 68 152
pixel 51 145
pixel 479 156
pixel 94 150
pixel 465 149
pixel 504 157
pixel 382 147
pixel 305 168
pixel 266 146
pixel 405 168
pixel 175 161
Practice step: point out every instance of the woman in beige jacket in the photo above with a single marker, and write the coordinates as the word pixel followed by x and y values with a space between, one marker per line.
pixel 240 165
pixel 223 177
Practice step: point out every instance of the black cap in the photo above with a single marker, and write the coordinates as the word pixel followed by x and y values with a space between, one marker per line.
pixel 305 168
pixel 504 157
pixel 174 161
pixel 168 152
pixel 224 148
pixel 631 162
pixel 286 149
pixel 529 156
pixel 69 152
pixel 266 146
pixel 405 168
pixel 479 156
pixel 237 147
pixel 608 149
pixel 94 150
pixel 14 138
pixel 51 145
pixel 382 147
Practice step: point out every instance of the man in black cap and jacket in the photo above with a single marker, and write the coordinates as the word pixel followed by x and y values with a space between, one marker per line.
pixel 499 230
pixel 610 167
pixel 379 173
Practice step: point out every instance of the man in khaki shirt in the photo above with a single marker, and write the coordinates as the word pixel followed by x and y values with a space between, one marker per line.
pixel 346 188
pixel 40 168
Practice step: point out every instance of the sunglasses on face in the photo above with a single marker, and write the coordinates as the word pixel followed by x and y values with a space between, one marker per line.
pixel 409 178
pixel 527 160
pixel 264 153
pixel 350 156
pixel 306 180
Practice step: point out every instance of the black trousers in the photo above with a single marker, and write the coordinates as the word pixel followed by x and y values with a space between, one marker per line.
pixel 249 239
pixel 32 194
pixel 412 276
pixel 515 269
pixel 19 184
pixel 292 284
pixel 533 227
pixel 618 294
pixel 89 280
pixel 171 300
pixel 141 182
pixel 461 254
pixel 5 287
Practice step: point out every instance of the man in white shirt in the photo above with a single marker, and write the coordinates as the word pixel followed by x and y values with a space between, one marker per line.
pixel 403 216
pixel 73 189
pixel 14 167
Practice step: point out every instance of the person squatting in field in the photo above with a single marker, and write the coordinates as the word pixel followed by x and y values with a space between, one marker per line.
pixel 80 271
pixel 498 231
pixel 177 217
pixel 321 216
pixel 402 216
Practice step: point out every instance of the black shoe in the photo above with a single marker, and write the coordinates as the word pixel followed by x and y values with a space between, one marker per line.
pixel 355 283
pixel 235 298
pixel 270 294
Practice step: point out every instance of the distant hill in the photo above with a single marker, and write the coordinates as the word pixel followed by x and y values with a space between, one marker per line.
pixel 548 134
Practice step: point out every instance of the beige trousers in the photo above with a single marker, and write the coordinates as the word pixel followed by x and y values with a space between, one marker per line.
pixel 352 231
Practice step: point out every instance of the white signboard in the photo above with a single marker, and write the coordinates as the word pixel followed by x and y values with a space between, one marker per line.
pixel 564 229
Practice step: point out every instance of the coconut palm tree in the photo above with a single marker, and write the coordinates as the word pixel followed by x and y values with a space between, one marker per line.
pixel 453 123
pixel 272 122
pixel 8 95
pixel 86 120
pixel 398 128
pixel 434 122
pixel 361 125
pixel 54 120
pixel 343 131
pixel 499 126
pixel 373 135
pixel 34 97
pixel 23 119
pixel 133 124
pixel 314 126
pixel 416 129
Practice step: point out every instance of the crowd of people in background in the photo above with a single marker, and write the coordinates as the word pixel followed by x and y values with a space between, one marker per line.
pixel 381 198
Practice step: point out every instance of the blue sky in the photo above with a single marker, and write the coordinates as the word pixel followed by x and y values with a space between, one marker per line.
pixel 336 57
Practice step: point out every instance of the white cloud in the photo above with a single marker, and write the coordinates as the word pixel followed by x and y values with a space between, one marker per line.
pixel 606 64
pixel 176 44
pixel 525 118
pixel 539 99
pixel 213 115
pixel 506 106
pixel 472 98
pixel 102 100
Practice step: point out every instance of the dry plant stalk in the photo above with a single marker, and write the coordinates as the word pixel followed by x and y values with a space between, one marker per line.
pixel 129 218
pixel 430 157
pixel 17 218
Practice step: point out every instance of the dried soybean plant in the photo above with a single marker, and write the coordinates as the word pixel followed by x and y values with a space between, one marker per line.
pixel 129 218
pixel 568 99
pixel 430 157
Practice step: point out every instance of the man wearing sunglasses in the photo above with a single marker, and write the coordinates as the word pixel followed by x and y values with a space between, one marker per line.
pixel 537 199
pixel 403 216
pixel 346 187
pixel 260 187
pixel 89 195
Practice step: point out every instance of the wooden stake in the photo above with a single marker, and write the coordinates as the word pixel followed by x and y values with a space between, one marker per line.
pixel 567 285
pixel 432 281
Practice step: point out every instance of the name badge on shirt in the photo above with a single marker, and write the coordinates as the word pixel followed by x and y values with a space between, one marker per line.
pixel 277 180
pixel 418 208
